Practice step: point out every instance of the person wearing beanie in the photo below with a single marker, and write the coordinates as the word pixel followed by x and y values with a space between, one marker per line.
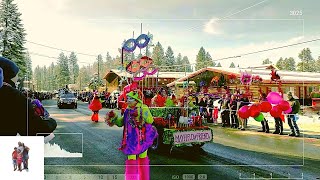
pixel 292 118
pixel 138 136
pixel 16 110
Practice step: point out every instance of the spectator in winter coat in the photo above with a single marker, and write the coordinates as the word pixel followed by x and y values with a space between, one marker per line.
pixel 16 110
pixel 292 117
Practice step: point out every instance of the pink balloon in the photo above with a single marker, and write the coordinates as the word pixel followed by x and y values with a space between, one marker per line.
pixel 244 112
pixel 274 98
pixel 288 111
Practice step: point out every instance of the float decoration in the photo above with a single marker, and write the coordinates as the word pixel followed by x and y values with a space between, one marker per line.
pixel 215 80
pixel 246 78
pixel 222 81
pixel 232 78
pixel 274 75
pixel 257 79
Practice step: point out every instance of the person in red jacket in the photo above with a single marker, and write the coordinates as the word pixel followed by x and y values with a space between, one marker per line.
pixel 95 107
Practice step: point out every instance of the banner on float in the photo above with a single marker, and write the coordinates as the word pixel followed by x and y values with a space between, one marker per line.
pixel 192 136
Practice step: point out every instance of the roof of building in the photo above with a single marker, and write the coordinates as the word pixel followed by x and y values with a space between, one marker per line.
pixel 264 73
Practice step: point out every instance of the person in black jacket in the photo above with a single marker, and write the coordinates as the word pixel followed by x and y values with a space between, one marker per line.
pixel 16 111
pixel 295 105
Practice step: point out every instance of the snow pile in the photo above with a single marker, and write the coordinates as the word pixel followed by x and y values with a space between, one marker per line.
pixel 54 150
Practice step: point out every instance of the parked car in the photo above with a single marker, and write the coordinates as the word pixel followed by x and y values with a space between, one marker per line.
pixel 67 100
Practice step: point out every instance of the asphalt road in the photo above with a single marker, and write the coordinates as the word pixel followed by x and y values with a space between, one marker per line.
pixel 234 154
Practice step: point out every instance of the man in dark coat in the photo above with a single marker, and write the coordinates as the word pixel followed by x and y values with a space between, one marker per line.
pixel 16 112
pixel 292 118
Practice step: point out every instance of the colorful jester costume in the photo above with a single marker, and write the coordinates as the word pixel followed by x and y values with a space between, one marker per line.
pixel 138 135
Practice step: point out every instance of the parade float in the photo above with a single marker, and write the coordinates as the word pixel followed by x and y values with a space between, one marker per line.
pixel 178 123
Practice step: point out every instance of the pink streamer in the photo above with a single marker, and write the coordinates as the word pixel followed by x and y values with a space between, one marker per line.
pixel 139 78
pixel 150 73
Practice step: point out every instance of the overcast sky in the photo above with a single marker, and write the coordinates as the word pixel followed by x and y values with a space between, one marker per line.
pixel 223 28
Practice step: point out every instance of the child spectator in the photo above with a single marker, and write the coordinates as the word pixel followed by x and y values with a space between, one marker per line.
pixel 14 158
pixel 215 114
pixel 19 159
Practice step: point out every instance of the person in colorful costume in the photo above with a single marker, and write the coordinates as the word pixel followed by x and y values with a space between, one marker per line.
pixel 95 106
pixel 138 136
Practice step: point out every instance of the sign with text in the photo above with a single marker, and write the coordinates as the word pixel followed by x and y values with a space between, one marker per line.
pixel 192 136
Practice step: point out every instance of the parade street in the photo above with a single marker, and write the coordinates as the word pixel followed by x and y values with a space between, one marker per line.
pixel 233 154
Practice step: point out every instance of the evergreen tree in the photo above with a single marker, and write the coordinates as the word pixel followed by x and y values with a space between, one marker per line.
pixel 266 61
pixel 209 61
pixel 73 67
pixel 158 55
pixel 109 62
pixel 307 63
pixel 201 58
pixel 29 66
pixel 12 35
pixel 187 66
pixel 44 73
pixel 63 75
pixel 180 67
pixel 169 59
pixel 51 77
pixel 280 64
pixel 318 64
pixel 289 64
pixel 37 78
pixel 219 65
pixel 232 65
pixel 98 66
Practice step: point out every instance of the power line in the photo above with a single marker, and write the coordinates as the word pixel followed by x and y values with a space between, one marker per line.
pixel 85 54
pixel 220 59
pixel 51 57
pixel 250 53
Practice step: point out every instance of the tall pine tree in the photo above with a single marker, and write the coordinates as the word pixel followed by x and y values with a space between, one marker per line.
pixel 169 59
pixel 180 67
pixel 201 58
pixel 63 75
pixel 12 37
pixel 208 60
pixel 280 64
pixel 187 67
pixel 307 63
pixel 158 55
pixel 73 67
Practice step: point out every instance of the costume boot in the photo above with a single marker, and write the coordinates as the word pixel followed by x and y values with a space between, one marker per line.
pixel 131 172
pixel 263 127
pixel 144 169
pixel 267 126
pixel 281 128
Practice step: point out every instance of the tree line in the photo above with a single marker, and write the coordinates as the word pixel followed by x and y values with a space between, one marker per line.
pixel 307 62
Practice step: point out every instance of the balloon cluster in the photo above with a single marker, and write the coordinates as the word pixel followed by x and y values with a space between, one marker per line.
pixel 275 106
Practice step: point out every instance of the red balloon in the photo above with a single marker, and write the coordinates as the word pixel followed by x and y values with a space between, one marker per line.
pixel 254 110
pixel 276 111
pixel 284 105
pixel 265 106
pixel 244 112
